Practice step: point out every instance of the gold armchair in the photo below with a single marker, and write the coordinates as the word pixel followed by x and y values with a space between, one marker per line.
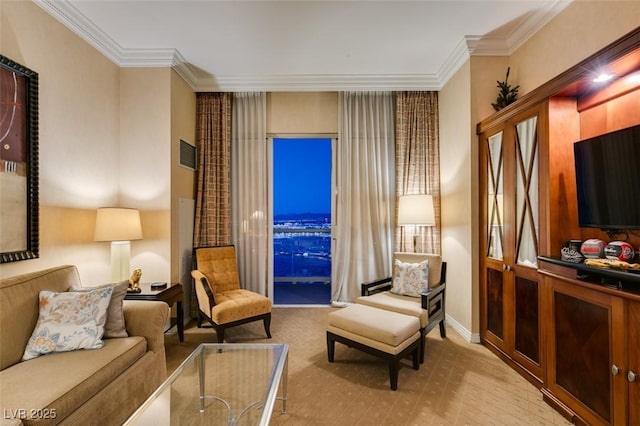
pixel 221 300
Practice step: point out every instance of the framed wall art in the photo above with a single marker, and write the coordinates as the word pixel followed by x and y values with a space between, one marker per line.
pixel 19 236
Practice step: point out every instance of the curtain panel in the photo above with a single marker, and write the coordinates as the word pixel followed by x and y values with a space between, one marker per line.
pixel 249 186
pixel 363 226
pixel 418 164
pixel 213 195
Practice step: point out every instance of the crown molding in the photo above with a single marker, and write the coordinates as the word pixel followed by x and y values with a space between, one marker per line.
pixel 317 82
pixel 199 81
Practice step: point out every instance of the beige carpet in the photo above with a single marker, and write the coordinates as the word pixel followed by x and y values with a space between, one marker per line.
pixel 458 384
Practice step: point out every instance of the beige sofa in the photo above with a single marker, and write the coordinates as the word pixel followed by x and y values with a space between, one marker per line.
pixel 83 387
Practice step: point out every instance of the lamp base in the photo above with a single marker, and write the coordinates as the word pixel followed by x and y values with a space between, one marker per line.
pixel 120 256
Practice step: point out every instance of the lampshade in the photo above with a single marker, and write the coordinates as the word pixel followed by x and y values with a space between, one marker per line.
pixel 416 209
pixel 117 224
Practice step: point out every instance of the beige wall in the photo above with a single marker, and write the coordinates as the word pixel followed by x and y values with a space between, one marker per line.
pixel 79 132
pixel 145 165
pixel 106 139
pixel 580 30
pixel 183 126
pixel 302 113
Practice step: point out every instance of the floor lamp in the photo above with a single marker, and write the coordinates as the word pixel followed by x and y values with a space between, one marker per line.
pixel 416 210
pixel 119 226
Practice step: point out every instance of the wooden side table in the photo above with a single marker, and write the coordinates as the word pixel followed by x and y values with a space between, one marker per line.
pixel 169 295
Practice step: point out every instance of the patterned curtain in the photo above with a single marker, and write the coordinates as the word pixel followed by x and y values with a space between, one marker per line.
pixel 418 164
pixel 213 196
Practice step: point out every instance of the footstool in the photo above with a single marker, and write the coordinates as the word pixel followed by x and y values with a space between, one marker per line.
pixel 385 334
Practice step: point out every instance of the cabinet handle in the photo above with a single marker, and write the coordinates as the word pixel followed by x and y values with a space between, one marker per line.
pixel 631 376
pixel 615 370
pixel 506 267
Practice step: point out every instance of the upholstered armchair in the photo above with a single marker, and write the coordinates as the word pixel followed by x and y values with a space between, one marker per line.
pixel 221 301
pixel 427 304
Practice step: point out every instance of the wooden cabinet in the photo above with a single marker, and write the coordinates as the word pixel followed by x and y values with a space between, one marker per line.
pixel 592 350
pixel 633 368
pixel 577 341
pixel 510 297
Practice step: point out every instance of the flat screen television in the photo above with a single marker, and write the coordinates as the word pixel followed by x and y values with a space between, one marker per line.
pixel 608 180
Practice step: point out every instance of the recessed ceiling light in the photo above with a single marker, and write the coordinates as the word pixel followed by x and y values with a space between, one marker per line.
pixel 602 78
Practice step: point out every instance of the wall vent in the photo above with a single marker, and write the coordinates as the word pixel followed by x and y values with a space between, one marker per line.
pixel 188 155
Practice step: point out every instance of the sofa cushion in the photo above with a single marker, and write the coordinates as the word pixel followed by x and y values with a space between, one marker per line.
pixel 410 279
pixel 396 303
pixel 19 307
pixel 64 381
pixel 69 321
pixel 115 325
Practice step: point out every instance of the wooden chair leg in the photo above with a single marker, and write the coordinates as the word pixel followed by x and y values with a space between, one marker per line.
pixel 200 319
pixel 422 345
pixel 267 325
pixel 220 334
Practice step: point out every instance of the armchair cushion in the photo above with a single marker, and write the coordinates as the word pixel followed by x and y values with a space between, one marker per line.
pixel 396 303
pixel 410 279
pixel 239 304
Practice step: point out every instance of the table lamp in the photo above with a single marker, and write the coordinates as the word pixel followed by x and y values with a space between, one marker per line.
pixel 416 210
pixel 119 226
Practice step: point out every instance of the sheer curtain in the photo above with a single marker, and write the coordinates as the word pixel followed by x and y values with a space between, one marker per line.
pixel 418 163
pixel 363 225
pixel 249 180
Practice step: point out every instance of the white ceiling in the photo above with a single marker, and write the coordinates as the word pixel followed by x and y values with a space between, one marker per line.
pixel 304 45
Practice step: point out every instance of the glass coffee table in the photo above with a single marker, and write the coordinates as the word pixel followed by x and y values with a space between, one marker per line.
pixel 223 383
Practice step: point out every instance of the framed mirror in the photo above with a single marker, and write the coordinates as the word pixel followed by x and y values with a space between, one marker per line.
pixel 19 236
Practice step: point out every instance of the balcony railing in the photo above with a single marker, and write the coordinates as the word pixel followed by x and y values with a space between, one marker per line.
pixel 302 255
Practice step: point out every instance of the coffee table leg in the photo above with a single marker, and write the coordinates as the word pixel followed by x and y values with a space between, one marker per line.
pixel 201 378
pixel 284 385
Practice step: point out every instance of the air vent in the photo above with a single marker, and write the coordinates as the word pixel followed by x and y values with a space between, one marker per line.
pixel 188 155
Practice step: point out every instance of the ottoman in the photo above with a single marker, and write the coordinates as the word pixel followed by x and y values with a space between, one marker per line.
pixel 385 334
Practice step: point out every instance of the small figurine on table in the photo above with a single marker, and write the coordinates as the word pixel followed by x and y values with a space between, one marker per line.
pixel 134 281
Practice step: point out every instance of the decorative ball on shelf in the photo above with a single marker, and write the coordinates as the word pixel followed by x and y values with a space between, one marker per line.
pixel 619 250
pixel 593 248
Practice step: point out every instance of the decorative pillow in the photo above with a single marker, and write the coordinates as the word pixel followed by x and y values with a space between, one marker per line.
pixel 115 326
pixel 410 279
pixel 69 321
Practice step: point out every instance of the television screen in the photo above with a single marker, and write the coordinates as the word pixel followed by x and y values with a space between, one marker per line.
pixel 608 180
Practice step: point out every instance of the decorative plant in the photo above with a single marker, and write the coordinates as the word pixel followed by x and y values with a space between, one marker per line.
pixel 506 94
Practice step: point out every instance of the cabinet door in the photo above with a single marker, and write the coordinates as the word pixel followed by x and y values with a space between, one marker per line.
pixel 585 351
pixel 510 294
pixel 633 373
pixel 494 292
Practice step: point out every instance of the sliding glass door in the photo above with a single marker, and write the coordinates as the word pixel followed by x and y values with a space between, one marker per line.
pixel 301 225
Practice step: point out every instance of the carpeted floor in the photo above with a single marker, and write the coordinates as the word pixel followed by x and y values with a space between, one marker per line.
pixel 458 384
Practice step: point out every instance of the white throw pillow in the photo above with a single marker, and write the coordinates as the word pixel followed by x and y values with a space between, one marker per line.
pixel 115 325
pixel 69 321
pixel 410 279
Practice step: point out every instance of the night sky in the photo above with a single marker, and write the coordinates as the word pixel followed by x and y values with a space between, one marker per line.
pixel 301 176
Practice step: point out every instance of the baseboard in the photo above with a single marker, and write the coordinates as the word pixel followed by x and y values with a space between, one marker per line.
pixel 461 330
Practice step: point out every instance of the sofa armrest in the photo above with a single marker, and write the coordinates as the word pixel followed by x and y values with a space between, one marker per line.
pixel 373 287
pixel 147 319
